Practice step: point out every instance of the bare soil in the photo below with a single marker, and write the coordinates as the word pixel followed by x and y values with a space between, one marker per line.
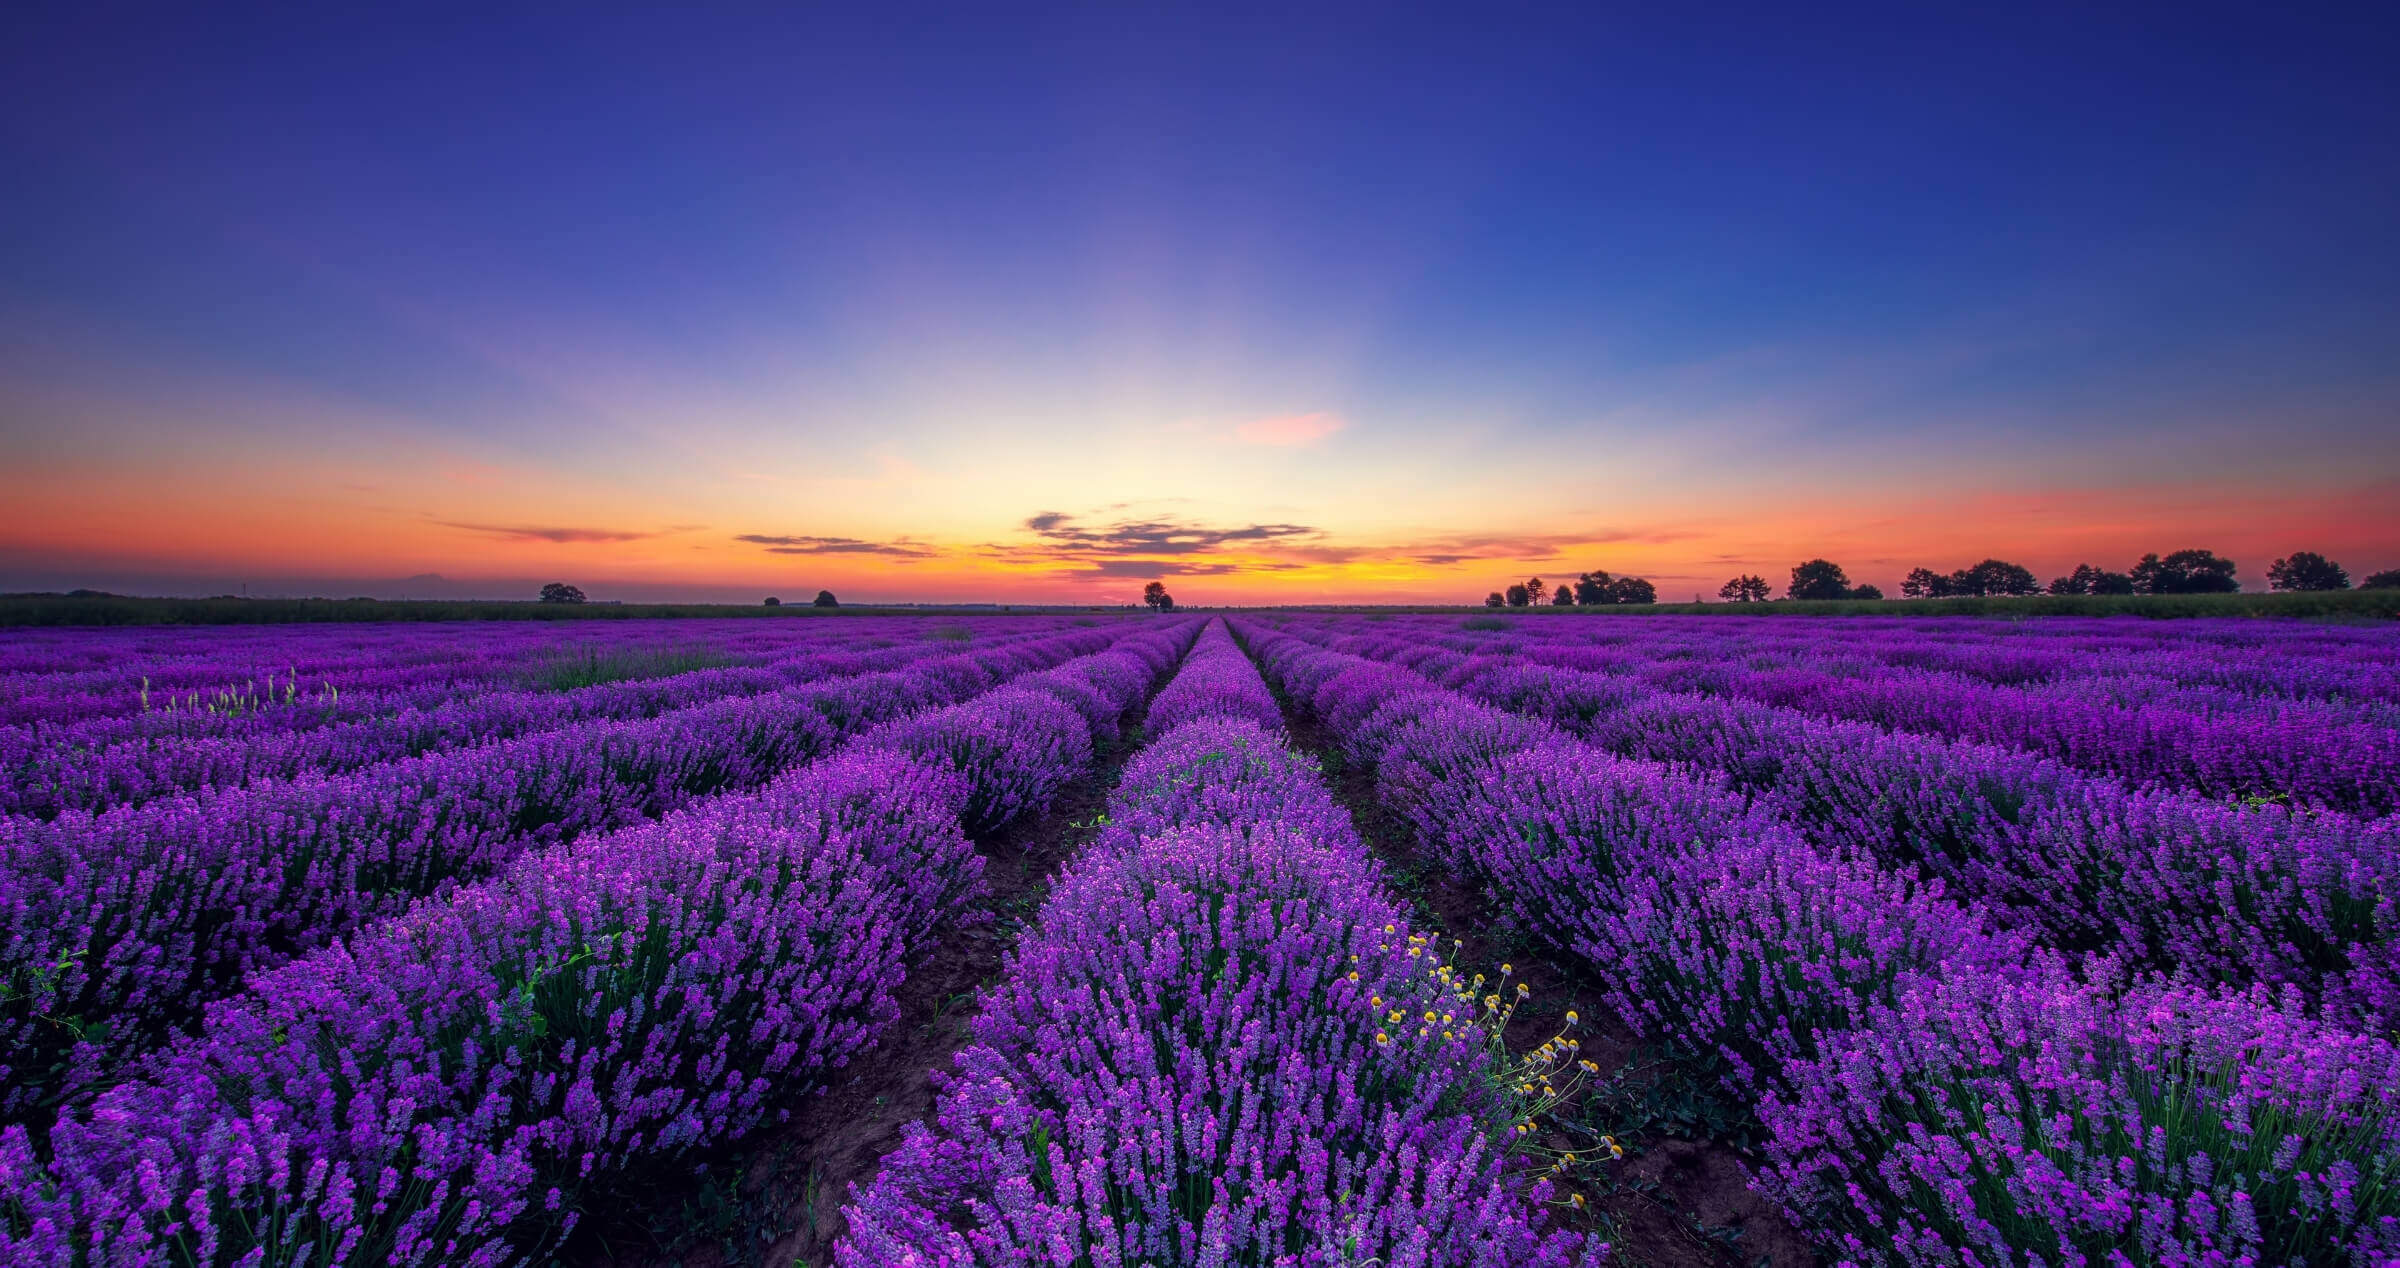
pixel 777 1199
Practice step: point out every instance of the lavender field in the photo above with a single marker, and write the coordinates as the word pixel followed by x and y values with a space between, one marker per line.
pixel 1273 938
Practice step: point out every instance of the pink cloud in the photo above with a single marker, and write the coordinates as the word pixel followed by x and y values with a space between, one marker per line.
pixel 1291 429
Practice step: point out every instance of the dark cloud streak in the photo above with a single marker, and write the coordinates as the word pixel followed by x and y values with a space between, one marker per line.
pixel 530 533
pixel 902 548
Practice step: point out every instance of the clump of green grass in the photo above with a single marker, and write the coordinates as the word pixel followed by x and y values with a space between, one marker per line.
pixel 589 665
pixel 1484 623
pixel 950 633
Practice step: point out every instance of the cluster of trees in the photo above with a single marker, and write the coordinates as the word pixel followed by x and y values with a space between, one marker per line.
pixel 824 599
pixel 2183 572
pixel 1156 597
pixel 1592 589
pixel 561 592
pixel 1816 579
pixel 1992 576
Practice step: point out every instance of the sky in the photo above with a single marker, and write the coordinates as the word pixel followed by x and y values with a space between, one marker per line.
pixel 923 304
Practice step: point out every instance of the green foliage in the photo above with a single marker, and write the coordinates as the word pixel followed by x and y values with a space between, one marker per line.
pixel 2388 579
pixel 1485 623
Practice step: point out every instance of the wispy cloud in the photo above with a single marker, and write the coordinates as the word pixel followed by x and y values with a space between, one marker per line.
pixel 537 533
pixel 1288 430
pixel 1160 545
pixel 1155 536
pixel 1148 568
pixel 901 548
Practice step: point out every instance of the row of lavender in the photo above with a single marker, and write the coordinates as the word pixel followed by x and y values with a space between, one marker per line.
pixel 2027 678
pixel 74 675
pixel 460 1083
pixel 116 928
pixel 196 656
pixel 1220 1044
pixel 1936 1088
pixel 122 758
pixel 2352 665
pixel 2170 881
pixel 2342 755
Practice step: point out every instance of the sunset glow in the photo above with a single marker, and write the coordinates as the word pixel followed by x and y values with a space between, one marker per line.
pixel 717 312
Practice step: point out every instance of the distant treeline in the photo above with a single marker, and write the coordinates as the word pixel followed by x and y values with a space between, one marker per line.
pixel 2185 572
pixel 92 608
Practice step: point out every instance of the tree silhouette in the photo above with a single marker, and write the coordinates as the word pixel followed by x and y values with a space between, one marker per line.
pixel 825 599
pixel 1155 594
pixel 1594 588
pixel 1747 588
pixel 1994 576
pixel 1535 592
pixel 1518 596
pixel 2184 572
pixel 1818 579
pixel 1866 592
pixel 2306 570
pixel 561 592
pixel 1564 597
pixel 1495 600
pixel 1632 590
pixel 1925 583
pixel 2388 579
pixel 774 602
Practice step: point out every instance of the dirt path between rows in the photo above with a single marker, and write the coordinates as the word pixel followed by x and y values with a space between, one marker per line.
pixel 1680 1199
pixel 776 1200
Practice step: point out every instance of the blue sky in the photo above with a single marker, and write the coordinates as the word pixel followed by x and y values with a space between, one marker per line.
pixel 293 294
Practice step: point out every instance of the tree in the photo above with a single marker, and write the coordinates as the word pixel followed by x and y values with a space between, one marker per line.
pixel 825 599
pixel 2104 582
pixel 1155 594
pixel 1632 590
pixel 1818 579
pixel 1518 596
pixel 1535 592
pixel 2388 579
pixel 2184 572
pixel 561 592
pixel 1563 597
pixel 2306 570
pixel 1747 588
pixel 1994 576
pixel 774 602
pixel 1494 600
pixel 1866 592
pixel 1594 588
pixel 2076 582
pixel 1925 583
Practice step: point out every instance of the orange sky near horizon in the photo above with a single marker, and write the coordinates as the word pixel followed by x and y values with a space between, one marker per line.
pixel 295 526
